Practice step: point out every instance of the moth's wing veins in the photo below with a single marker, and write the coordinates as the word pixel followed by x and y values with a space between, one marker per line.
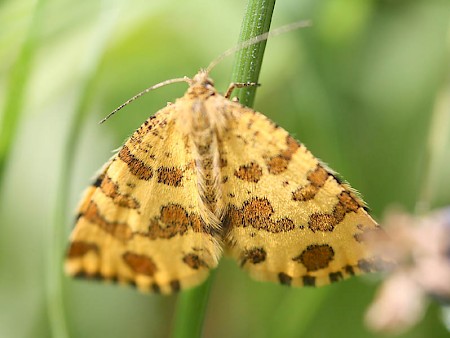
pixel 289 219
pixel 139 223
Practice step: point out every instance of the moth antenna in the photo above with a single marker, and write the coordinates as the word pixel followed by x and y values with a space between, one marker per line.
pixel 242 45
pixel 145 91
pixel 258 38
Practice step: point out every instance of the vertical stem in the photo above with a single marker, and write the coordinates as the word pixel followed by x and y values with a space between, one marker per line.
pixel 248 60
pixel 191 306
pixel 191 309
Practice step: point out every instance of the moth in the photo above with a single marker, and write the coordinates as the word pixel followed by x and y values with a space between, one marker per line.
pixel 207 176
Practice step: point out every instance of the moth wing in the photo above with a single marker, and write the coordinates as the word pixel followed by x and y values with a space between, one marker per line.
pixel 139 223
pixel 288 219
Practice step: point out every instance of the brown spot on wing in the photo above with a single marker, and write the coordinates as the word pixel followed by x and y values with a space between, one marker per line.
pixel 175 285
pixel 251 172
pixel 140 264
pixel 292 146
pixel 348 201
pixel 284 224
pixel 284 279
pixel 335 276
pixel 174 215
pixel 197 224
pixel 326 222
pixel 111 190
pixel 223 162
pixel 305 193
pixel 90 275
pixel 315 257
pixel 136 166
pixel 257 213
pixel 194 261
pixel 322 222
pixel 174 220
pixel 170 176
pixel 309 280
pixel 279 163
pixel 119 230
pixel 233 218
pixel 254 256
pixel 317 179
pixel 98 181
pixel 80 248
pixel 349 269
pixel 155 288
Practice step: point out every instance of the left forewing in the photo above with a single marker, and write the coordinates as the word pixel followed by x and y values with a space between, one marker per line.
pixel 139 223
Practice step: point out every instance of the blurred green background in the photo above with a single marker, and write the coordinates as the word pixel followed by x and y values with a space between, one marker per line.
pixel 359 88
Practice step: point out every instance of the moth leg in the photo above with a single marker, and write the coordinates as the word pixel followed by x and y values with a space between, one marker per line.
pixel 234 85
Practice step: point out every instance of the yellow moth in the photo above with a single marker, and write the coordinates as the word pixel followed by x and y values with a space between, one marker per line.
pixel 206 175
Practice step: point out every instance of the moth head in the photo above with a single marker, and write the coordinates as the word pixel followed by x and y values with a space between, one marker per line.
pixel 202 79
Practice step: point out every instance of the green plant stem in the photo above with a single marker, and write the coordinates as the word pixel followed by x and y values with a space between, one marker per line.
pixel 191 305
pixel 191 309
pixel 287 323
pixel 248 60
pixel 56 237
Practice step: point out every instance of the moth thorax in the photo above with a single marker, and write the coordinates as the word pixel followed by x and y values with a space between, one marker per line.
pixel 208 167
